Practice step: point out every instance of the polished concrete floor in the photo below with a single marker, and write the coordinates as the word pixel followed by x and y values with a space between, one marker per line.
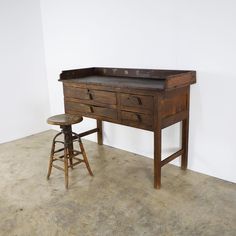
pixel 118 200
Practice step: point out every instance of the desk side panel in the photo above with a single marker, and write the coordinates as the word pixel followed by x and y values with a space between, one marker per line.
pixel 180 80
pixel 174 106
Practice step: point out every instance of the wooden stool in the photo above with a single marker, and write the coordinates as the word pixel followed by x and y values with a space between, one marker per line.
pixel 69 154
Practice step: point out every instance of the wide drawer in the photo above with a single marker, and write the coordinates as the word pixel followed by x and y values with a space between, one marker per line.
pixel 138 101
pixel 78 108
pixel 104 97
pixel 142 120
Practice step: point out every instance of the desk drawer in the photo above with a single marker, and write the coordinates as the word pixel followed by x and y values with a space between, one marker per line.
pixel 142 120
pixel 78 107
pixel 83 109
pixel 138 101
pixel 104 112
pixel 104 97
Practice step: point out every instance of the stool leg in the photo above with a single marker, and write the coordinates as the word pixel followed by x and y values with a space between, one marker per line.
pixel 52 154
pixel 51 159
pixel 71 161
pixel 85 157
pixel 66 167
pixel 70 144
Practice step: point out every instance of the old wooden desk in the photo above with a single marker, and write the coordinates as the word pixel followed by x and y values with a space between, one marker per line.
pixel 141 98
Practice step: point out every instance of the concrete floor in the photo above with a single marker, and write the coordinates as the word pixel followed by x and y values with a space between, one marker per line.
pixel 118 200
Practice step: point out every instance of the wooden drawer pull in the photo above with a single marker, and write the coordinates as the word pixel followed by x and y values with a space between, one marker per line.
pixel 89 94
pixel 135 99
pixel 91 109
pixel 139 118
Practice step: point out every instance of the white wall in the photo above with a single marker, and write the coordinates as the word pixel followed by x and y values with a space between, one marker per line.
pixel 197 35
pixel 24 103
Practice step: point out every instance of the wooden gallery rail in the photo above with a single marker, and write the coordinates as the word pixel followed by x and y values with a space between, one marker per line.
pixel 141 98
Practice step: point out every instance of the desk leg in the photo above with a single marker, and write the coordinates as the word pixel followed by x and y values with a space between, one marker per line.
pixel 157 142
pixel 185 132
pixel 99 133
pixel 157 158
pixel 184 157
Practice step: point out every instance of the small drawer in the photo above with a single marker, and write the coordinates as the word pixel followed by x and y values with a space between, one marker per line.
pixel 77 108
pixel 139 101
pixel 104 112
pixel 104 97
pixel 74 92
pixel 142 120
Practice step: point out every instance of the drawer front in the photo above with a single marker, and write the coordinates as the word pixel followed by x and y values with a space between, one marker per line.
pixel 77 108
pixel 74 92
pixel 142 120
pixel 138 101
pixel 103 97
pixel 99 96
pixel 104 112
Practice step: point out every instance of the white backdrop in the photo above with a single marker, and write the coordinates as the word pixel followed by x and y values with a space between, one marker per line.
pixel 24 100
pixel 197 35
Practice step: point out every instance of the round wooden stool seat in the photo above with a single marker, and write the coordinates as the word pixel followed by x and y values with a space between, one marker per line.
pixel 64 119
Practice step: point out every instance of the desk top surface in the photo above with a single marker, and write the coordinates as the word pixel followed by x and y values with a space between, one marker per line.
pixel 136 83
pixel 130 78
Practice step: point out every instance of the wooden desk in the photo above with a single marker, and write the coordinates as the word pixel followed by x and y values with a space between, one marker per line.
pixel 145 99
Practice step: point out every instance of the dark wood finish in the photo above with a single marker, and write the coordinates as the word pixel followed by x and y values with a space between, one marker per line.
pixel 138 101
pixel 88 132
pixel 78 108
pixel 185 134
pixel 69 141
pixel 174 102
pixel 137 119
pixel 157 141
pixel 166 79
pixel 99 133
pixel 90 94
pixel 171 157
pixel 141 98
pixel 173 119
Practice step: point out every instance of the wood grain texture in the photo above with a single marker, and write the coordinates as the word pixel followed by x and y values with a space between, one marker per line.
pixel 90 94
pixel 137 119
pixel 137 101
pixel 174 102
pixel 157 142
pixel 140 98
pixel 185 135
pixel 99 133
pixel 127 77
pixel 64 119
